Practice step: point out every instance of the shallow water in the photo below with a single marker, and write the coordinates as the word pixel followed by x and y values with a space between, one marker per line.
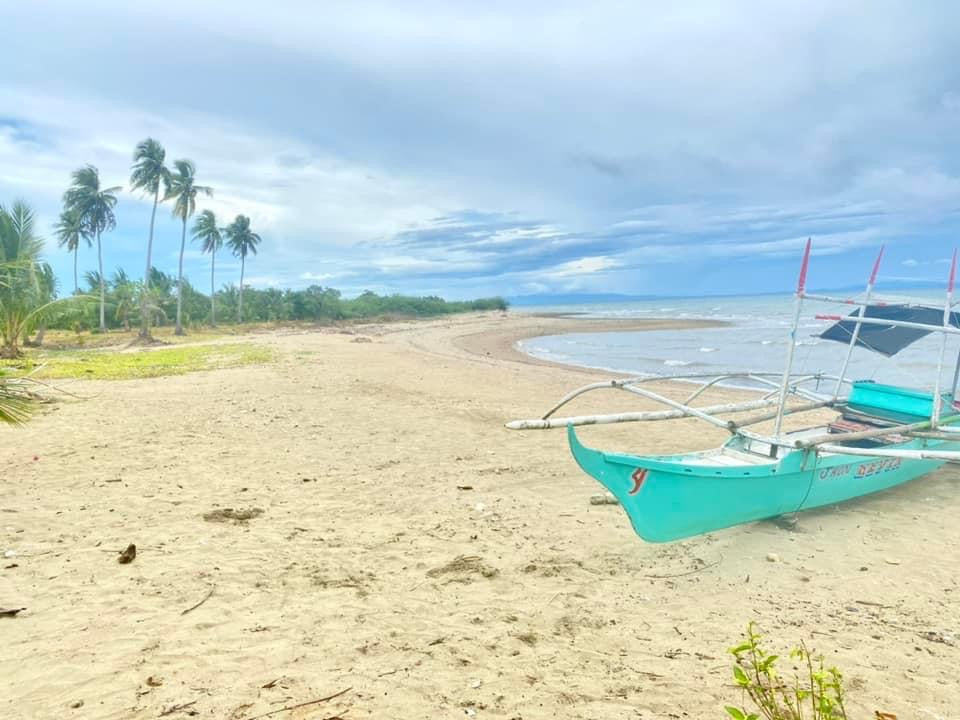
pixel 755 340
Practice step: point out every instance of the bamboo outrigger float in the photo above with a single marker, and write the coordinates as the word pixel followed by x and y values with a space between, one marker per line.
pixel 883 435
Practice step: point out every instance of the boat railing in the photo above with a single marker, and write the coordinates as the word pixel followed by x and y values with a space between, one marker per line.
pixel 678 409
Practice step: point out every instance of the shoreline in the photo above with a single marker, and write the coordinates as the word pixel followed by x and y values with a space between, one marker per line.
pixel 501 342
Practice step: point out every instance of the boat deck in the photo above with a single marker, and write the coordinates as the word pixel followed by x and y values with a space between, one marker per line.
pixel 753 452
pixel 727 457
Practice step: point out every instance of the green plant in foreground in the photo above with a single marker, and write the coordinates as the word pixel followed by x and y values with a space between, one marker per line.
pixel 813 693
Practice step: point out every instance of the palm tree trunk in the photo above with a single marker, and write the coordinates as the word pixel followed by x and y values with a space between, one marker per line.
pixel 76 285
pixel 103 294
pixel 243 260
pixel 183 244
pixel 144 315
pixel 213 293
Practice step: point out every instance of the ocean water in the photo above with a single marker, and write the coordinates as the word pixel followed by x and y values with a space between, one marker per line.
pixel 756 340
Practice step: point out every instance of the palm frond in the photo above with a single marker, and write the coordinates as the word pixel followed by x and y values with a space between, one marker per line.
pixel 149 172
pixel 241 240
pixel 94 203
pixel 16 402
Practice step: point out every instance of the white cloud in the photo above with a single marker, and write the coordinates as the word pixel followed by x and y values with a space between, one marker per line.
pixel 249 170
pixel 583 266
pixel 321 277
pixel 263 281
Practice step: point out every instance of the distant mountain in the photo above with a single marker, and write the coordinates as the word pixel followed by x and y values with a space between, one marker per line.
pixel 900 285
pixel 591 298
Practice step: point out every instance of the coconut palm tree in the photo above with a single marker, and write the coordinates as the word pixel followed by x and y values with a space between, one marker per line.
pixel 95 206
pixel 206 231
pixel 183 190
pixel 149 173
pixel 242 241
pixel 124 296
pixel 26 283
pixel 71 231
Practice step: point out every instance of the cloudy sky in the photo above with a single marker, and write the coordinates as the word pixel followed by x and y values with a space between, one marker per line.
pixel 473 148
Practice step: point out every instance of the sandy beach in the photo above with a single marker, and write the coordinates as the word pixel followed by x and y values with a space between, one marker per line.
pixel 400 545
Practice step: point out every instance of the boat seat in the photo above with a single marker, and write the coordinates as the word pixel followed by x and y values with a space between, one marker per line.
pixel 847 425
pixel 885 405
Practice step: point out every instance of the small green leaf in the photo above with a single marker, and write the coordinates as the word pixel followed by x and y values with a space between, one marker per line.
pixel 735 714
pixel 767 662
pixel 740 676
pixel 743 647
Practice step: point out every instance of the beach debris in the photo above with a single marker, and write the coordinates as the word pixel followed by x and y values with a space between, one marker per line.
pixel 464 487
pixel 10 553
pixel 939 636
pixel 205 598
pixel 527 638
pixel 773 557
pixel 179 708
pixel 877 715
pixel 604 499
pixel 891 561
pixel 10 566
pixel 128 554
pixel 11 612
pixel 476 684
pixel 76 704
pixel 229 514
pixel 871 603
pixel 701 566
pixel 154 681
pixel 464 566
pixel 303 704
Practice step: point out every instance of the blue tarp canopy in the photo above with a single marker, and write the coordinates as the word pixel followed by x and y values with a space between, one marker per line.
pixel 888 339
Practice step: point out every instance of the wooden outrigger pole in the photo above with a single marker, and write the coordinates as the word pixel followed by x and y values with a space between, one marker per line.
pixel 801 286
pixel 935 413
pixel 684 409
pixel 856 330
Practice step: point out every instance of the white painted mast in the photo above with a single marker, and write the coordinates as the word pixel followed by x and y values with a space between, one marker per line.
pixel 801 286
pixel 856 330
pixel 935 414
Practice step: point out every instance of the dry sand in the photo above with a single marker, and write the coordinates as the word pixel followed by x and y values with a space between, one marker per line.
pixel 413 550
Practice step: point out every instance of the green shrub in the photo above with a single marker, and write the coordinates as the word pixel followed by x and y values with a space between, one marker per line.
pixel 812 693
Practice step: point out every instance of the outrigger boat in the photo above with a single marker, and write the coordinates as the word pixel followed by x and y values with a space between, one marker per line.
pixel 882 436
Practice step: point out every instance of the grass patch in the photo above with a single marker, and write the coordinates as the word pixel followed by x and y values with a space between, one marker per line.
pixel 146 363
pixel 69 340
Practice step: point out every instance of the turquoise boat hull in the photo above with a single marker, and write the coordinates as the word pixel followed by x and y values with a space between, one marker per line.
pixel 668 497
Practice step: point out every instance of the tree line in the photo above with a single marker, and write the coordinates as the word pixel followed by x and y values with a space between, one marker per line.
pixel 313 304
pixel 88 212
pixel 28 293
